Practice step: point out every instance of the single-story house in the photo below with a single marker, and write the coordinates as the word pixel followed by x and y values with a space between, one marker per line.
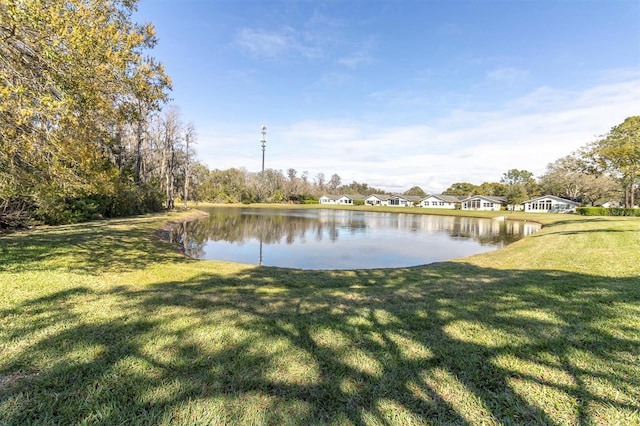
pixel 549 204
pixel 483 202
pixel 403 200
pixel 377 200
pixel 440 202
pixel 338 199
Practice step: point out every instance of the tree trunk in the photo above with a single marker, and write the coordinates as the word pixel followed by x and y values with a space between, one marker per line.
pixel 185 196
pixel 138 154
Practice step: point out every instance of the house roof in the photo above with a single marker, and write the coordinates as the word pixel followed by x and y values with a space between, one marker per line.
pixel 553 197
pixel 380 197
pixel 413 198
pixel 350 196
pixel 443 197
pixel 493 199
pixel 356 197
pixel 332 196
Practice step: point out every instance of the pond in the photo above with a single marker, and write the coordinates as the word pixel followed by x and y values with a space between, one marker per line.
pixel 340 239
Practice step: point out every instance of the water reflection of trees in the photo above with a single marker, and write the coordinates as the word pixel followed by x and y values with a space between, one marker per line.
pixel 277 226
pixel 237 226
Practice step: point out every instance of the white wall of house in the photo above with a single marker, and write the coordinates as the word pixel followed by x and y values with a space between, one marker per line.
pixel 436 203
pixel 372 200
pixel 334 199
pixel 480 203
pixel 326 200
pixel 400 202
pixel 549 204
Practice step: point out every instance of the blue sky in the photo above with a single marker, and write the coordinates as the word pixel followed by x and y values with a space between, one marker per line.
pixel 399 93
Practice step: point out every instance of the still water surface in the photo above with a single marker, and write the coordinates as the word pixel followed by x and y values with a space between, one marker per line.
pixel 341 239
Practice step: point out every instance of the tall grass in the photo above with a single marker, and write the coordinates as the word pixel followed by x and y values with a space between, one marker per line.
pixel 103 323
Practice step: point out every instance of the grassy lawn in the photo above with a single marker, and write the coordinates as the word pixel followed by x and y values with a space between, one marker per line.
pixel 103 323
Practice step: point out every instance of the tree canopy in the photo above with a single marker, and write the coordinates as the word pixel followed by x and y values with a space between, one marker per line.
pixel 415 191
pixel 618 154
pixel 519 186
pixel 462 189
pixel 71 74
pixel 569 177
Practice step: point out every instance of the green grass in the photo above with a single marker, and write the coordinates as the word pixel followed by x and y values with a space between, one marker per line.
pixel 103 323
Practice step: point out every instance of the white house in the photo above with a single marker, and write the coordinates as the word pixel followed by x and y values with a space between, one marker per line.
pixel 549 204
pixel 377 200
pixel 329 199
pixel 440 202
pixel 403 200
pixel 337 199
pixel 483 202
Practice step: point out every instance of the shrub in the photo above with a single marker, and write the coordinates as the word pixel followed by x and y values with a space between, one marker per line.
pixel 131 200
pixel 618 211
pixel 592 211
pixel 603 211
pixel 56 210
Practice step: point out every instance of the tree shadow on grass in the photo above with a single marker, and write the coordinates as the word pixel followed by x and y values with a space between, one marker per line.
pixel 444 344
pixel 92 248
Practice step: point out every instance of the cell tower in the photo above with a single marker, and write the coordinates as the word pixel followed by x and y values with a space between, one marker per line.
pixel 263 143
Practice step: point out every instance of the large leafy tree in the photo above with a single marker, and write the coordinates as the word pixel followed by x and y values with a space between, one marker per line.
pixel 570 177
pixel 462 189
pixel 491 189
pixel 415 191
pixel 618 154
pixel 519 186
pixel 564 177
pixel 68 68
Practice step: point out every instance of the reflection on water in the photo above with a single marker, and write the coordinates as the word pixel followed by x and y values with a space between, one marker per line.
pixel 340 239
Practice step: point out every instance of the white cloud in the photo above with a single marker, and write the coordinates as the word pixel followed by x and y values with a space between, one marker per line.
pixel 362 54
pixel 465 146
pixel 334 79
pixel 507 75
pixel 399 97
pixel 274 44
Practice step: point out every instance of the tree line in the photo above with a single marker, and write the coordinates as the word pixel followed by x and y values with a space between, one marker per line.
pixel 238 185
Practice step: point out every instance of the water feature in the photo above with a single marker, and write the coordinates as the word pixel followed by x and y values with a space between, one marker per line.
pixel 341 239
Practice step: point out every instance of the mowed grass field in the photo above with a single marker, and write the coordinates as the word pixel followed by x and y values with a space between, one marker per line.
pixel 104 323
